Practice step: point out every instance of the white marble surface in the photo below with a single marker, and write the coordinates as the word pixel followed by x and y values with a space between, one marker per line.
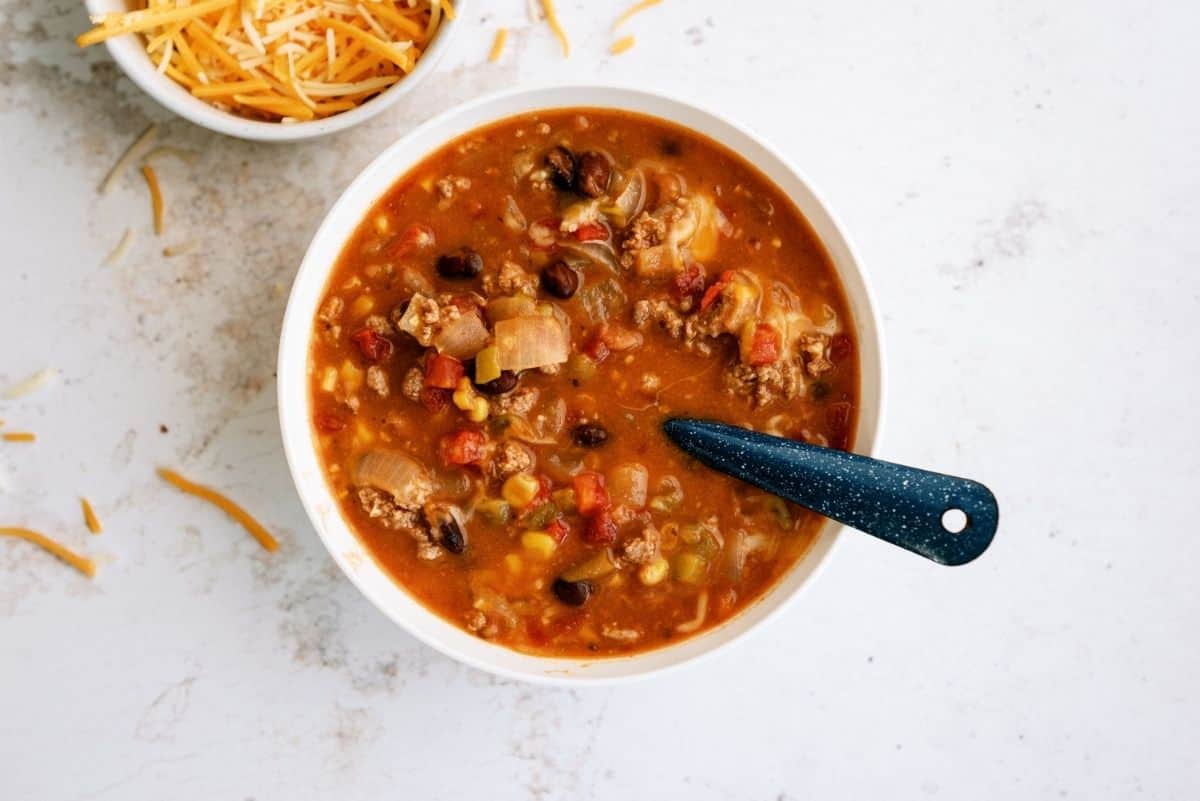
pixel 1023 180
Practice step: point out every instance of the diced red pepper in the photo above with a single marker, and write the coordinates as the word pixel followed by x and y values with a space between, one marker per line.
pixel 328 423
pixel 465 446
pixel 840 347
pixel 595 349
pixel 689 282
pixel 591 232
pixel 415 237
pixel 600 529
pixel 713 292
pixel 764 346
pixel 434 399
pixel 558 529
pixel 375 346
pixel 591 496
pixel 443 371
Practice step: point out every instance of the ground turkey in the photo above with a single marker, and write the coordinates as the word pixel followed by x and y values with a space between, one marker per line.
pixel 510 279
pixel 766 383
pixel 509 459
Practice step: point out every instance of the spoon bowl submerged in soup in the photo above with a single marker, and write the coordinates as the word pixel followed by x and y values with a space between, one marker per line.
pixel 500 340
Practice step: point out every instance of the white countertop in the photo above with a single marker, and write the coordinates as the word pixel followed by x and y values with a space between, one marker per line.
pixel 1023 182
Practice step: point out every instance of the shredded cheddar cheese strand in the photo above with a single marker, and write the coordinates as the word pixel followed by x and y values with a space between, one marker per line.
pixel 89 516
pixel 156 201
pixel 20 436
pixel 117 24
pixel 229 507
pixel 498 45
pixel 621 45
pixel 556 26
pixel 144 140
pixel 81 563
pixel 120 250
pixel 634 9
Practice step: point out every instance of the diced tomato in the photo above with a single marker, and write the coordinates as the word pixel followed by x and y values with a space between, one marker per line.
pixel 329 423
pixel 545 487
pixel 840 347
pixel 434 399
pixel 600 529
pixel 838 417
pixel 591 496
pixel 595 349
pixel 374 345
pixel 465 446
pixel 443 371
pixel 764 346
pixel 558 529
pixel 415 237
pixel 591 232
pixel 713 292
pixel 689 283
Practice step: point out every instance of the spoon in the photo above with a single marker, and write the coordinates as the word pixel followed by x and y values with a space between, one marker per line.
pixel 919 511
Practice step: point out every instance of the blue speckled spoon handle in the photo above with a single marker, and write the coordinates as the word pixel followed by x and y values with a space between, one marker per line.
pixel 897 504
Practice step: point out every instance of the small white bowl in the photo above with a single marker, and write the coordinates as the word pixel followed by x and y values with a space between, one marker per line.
pixel 295 411
pixel 130 53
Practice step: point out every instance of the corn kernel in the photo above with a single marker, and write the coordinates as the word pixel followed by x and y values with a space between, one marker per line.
pixel 654 571
pixel 352 377
pixel 329 379
pixel 520 490
pixel 513 563
pixel 464 396
pixel 480 411
pixel 361 306
pixel 539 543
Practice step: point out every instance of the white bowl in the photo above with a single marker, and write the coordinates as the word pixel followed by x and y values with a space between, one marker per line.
pixel 295 411
pixel 130 53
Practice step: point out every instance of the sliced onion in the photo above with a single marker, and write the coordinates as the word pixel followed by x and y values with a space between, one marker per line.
pixel 631 200
pixel 627 484
pixel 462 337
pixel 597 252
pixel 397 473
pixel 524 343
pixel 514 220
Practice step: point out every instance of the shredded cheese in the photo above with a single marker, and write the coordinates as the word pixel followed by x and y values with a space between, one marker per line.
pixel 131 154
pixel 634 9
pixel 556 26
pixel 31 384
pixel 229 507
pixel 19 436
pixel 258 58
pixel 89 516
pixel 118 252
pixel 156 201
pixel 181 249
pixel 81 563
pixel 498 45
pixel 621 45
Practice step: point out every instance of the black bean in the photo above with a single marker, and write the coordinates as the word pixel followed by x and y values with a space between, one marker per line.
pixel 572 593
pixel 462 263
pixel 559 279
pixel 453 539
pixel 590 435
pixel 506 383
pixel 591 177
pixel 561 163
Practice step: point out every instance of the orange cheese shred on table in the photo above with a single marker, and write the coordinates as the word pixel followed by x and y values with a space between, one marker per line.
pixel 230 508
pixel 89 516
pixel 156 200
pixel 81 563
